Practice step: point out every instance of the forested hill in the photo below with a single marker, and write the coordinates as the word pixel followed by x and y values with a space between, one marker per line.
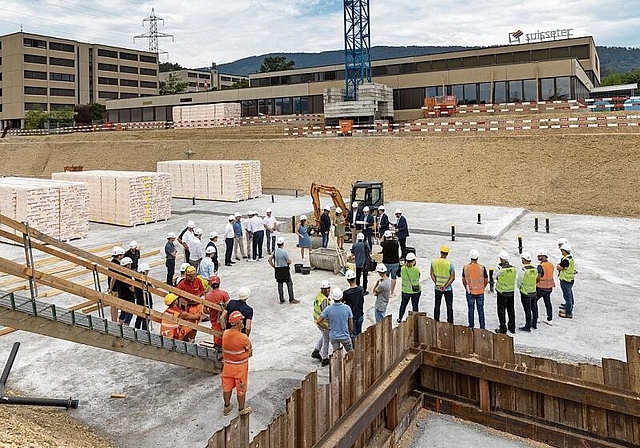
pixel 612 59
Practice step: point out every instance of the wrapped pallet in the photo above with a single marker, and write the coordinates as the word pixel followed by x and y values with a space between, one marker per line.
pixel 220 180
pixel 58 208
pixel 125 198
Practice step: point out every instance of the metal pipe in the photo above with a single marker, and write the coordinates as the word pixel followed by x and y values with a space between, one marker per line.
pixel 491 280
pixel 546 220
pixel 520 244
pixel 479 218
pixel 8 366
pixel 272 199
pixel 193 200
pixel 55 402
pixel 535 224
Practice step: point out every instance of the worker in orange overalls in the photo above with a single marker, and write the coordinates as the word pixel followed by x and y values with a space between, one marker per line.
pixel 173 330
pixel 219 297
pixel 194 285
pixel 236 350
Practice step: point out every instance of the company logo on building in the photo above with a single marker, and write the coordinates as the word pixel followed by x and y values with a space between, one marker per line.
pixel 560 33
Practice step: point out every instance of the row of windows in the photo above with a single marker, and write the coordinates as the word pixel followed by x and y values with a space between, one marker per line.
pixel 127 82
pixel 67 77
pixel 35 59
pixel 107 95
pixel 126 69
pixel 52 106
pixel 53 91
pixel 573 52
pixel 58 46
pixel 128 56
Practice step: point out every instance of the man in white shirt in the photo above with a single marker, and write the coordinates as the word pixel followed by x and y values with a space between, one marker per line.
pixel 257 233
pixel 228 241
pixel 195 247
pixel 246 225
pixel 271 227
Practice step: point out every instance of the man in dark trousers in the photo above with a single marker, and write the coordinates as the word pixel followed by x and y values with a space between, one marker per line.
pixel 229 238
pixel 354 298
pixel 505 275
pixel 367 226
pixel 402 232
pixel 325 225
pixel 170 253
pixel 353 217
pixel 383 221
pixel 362 253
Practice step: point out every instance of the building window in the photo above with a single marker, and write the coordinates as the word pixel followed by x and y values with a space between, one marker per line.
pixel 62 92
pixel 149 84
pixel 29 90
pixel 35 43
pixel 225 78
pixel 108 67
pixel 108 81
pixel 484 89
pixel 148 71
pixel 540 55
pixel 408 98
pixel 147 114
pixel 33 74
pixel 205 76
pixel 515 91
pixel 128 56
pixel 107 53
pixel 580 51
pixel 249 108
pixel 149 59
pixel 128 69
pixel 129 82
pixel 301 105
pixel 530 90
pixel 547 89
pixel 500 92
pixel 186 100
pixel 58 46
pixel 32 106
pixel 431 92
pixel 62 62
pixel 563 88
pixel 61 106
pixel 161 113
pixel 32 58
pixel 471 94
pixel 192 75
pixel 124 95
pixel 458 92
pixel 107 95
pixel 67 77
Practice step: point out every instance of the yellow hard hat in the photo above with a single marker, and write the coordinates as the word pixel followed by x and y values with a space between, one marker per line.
pixel 444 249
pixel 170 298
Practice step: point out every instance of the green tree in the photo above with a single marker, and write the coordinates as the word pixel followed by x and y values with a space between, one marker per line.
pixel 172 85
pixel 169 67
pixel 61 117
pixel 96 111
pixel 35 118
pixel 615 79
pixel 276 64
pixel 241 84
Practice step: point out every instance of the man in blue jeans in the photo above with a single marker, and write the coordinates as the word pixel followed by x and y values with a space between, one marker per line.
pixel 325 225
pixel 475 280
pixel 340 320
pixel 567 275
pixel 443 274
pixel 354 298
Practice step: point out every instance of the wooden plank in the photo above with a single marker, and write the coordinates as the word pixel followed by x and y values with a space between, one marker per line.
pixel 503 348
pixel 243 431
pixel 377 348
pixel 485 398
pixel 217 440
pixel 463 339
pixel 322 411
pixel 291 422
pixel 445 336
pixel 369 356
pixel 261 440
pixel 359 379
pixel 6 330
pixel 426 331
pixel 409 327
pixel 335 380
pixel 348 386
pixel 391 413
pixel 591 373
pixel 307 408
pixel 387 341
pixel 277 435
pixel 483 343
pixel 632 344
pixel 616 373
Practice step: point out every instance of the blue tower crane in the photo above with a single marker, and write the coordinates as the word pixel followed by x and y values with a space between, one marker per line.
pixel 357 45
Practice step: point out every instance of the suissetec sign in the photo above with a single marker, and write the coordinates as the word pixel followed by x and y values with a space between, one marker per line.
pixel 559 33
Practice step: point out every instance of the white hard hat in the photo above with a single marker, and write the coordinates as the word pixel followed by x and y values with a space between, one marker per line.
pixel 562 241
pixel 184 266
pixel 280 240
pixel 171 235
pixel 327 208
pixel 325 284
pixel 144 267
pixel 366 208
pixel 381 268
pixel 360 236
pixel 474 254
pixel 191 224
pixel 381 207
pixel 526 256
pixel 213 235
pixel 269 211
pixel 410 256
pixel 354 205
pixel 125 261
pixel 398 212
pixel 566 247
pixel 198 231
pixel 117 250
pixel 243 293
pixel 231 217
pixel 303 217
pixel 237 214
pixel 250 212
pixel 388 234
pixel 338 210
pixel 542 253
pixel 133 244
pixel 504 255
pixel 210 250
pixel 350 274
pixel 336 294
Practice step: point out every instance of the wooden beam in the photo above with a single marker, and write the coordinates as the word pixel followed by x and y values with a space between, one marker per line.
pixel 536 381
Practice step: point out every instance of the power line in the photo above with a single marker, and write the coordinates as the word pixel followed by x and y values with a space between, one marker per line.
pixel 153 33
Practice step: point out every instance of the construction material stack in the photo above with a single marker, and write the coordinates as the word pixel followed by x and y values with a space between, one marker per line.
pixel 57 208
pixel 125 198
pixel 375 102
pixel 206 115
pixel 220 180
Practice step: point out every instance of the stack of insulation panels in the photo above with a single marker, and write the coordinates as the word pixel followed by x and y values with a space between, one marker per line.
pixel 210 113
pixel 220 180
pixel 125 198
pixel 58 208
pixel 374 100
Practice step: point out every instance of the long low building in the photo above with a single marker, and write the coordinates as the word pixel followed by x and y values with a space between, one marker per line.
pixel 549 70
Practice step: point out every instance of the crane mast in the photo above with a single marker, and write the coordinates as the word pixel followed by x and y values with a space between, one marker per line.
pixel 357 44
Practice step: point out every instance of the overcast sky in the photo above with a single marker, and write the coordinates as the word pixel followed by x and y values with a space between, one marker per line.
pixel 223 31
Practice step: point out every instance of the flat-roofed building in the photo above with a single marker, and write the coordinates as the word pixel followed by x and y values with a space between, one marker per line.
pixel 54 73
pixel 201 80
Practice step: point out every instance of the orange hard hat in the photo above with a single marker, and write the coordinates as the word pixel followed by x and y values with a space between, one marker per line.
pixel 235 317
pixel 214 280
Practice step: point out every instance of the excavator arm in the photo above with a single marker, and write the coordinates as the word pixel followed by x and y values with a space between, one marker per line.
pixel 336 197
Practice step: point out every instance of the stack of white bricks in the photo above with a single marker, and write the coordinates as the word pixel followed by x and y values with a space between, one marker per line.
pixel 58 208
pixel 125 198
pixel 207 113
pixel 220 180
pixel 374 100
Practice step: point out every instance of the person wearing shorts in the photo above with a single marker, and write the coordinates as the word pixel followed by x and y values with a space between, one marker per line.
pixel 236 350
pixel 391 257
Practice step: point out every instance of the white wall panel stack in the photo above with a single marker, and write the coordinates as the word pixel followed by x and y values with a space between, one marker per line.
pixel 205 115
pixel 125 198
pixel 221 180
pixel 57 208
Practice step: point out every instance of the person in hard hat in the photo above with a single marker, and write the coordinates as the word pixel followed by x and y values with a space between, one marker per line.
pixel 117 254
pixel 239 305
pixel 320 302
pixel 238 240
pixel 280 261
pixel 207 267
pixel 133 252
pixel 182 272
pixel 362 254
pixel 340 320
pixel 270 224
pixel 193 285
pixel 505 278
pixel 391 258
pixel 246 225
pixel 184 236
pixel 353 296
pixel 383 220
pixel 402 232
pixel 196 252
pixel 443 274
pixel 236 351
pixel 170 253
pixel 475 280
pixel 304 241
pixel 143 297
pixel 562 241
pixel 381 290
pixel 354 218
pixel 339 229
pixel 213 242
pixel 526 283
pixel 367 226
pixel 325 225
pixel 257 232
pixel 219 298
pixel 229 240
pixel 411 288
pixel 566 275
pixel 126 292
pixel 173 330
pixel 544 286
